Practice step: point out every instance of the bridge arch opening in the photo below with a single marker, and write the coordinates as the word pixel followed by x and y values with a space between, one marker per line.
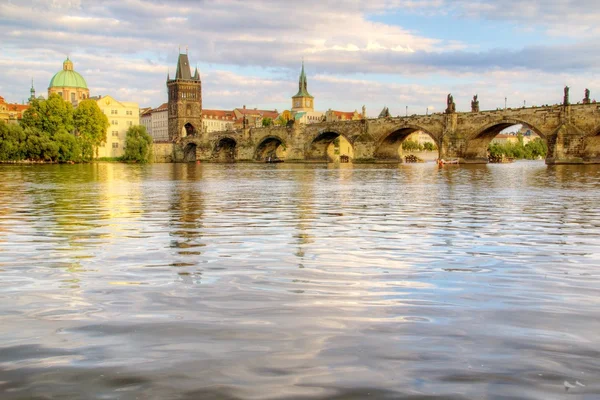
pixel 189 152
pixel 188 130
pixel 407 141
pixel 330 147
pixel 507 140
pixel 225 150
pixel 272 148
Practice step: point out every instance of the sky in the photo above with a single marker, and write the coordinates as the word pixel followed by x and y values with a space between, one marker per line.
pixel 377 53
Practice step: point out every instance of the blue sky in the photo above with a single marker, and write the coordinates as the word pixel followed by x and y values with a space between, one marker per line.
pixel 393 53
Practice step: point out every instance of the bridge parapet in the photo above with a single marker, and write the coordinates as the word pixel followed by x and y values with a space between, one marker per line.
pixel 572 133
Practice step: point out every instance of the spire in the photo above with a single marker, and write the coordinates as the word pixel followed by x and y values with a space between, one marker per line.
pixel 32 92
pixel 183 68
pixel 168 75
pixel 196 74
pixel 303 84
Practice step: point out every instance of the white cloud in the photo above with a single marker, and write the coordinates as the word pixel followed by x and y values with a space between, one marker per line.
pixel 127 46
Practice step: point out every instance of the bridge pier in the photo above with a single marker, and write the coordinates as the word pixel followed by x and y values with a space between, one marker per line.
pixel 566 145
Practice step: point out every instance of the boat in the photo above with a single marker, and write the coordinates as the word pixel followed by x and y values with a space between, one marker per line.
pixel 273 160
pixel 453 161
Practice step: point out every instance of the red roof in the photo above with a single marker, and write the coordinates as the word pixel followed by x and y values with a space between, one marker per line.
pixel 218 114
pixel 162 107
pixel 345 114
pixel 273 114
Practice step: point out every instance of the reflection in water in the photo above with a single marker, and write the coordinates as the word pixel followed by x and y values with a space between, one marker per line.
pixel 299 281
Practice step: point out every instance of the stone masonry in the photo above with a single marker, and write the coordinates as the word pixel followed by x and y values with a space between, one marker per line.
pixel 572 133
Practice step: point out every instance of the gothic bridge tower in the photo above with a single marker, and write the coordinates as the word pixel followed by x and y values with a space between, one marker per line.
pixel 185 101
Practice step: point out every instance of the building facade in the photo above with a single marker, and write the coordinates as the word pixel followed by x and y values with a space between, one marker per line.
pixel 160 123
pixel 252 117
pixel 333 116
pixel 121 116
pixel 146 119
pixel 218 120
pixel 69 84
pixel 11 113
pixel 185 101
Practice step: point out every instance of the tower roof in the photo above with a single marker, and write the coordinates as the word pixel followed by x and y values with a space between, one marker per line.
pixel 184 70
pixel 303 84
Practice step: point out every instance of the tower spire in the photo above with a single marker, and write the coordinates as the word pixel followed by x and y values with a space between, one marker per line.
pixel 32 92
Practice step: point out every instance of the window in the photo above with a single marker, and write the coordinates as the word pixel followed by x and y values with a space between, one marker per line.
pixel 115 145
pixel 114 122
pixel 129 123
pixel 115 133
pixel 129 112
pixel 114 112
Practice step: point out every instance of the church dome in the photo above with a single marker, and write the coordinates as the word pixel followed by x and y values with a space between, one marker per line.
pixel 68 77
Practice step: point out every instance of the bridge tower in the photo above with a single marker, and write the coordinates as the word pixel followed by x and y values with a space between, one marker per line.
pixel 185 101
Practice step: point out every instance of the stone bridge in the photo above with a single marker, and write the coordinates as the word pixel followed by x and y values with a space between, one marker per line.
pixel 572 133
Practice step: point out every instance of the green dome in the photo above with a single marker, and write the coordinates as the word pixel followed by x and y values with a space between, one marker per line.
pixel 68 77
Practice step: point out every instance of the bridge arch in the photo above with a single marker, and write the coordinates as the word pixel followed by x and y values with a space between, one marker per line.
pixel 272 147
pixel 189 152
pixel 225 150
pixel 389 147
pixel 478 143
pixel 188 129
pixel 330 145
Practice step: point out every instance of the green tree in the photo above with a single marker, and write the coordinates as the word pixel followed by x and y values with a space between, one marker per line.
pixel 429 146
pixel 39 145
pixel 91 125
pixel 11 142
pixel 50 116
pixel 138 145
pixel 266 122
pixel 69 148
pixel 410 145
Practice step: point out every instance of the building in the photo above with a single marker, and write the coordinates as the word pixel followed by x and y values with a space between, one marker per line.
pixel 303 104
pixel 333 116
pixel 253 117
pixel 160 123
pixel 69 84
pixel 302 101
pixel 420 137
pixel 185 101
pixel 121 116
pixel 11 113
pixel 218 120
pixel 146 119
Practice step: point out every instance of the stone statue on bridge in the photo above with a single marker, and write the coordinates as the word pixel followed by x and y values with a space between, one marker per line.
pixel 566 98
pixel 475 104
pixel 586 99
pixel 451 106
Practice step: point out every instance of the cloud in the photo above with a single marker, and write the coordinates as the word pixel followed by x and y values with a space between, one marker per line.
pixel 250 51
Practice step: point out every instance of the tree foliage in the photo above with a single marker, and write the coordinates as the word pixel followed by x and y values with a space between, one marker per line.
pixel 533 150
pixel 138 145
pixel 412 145
pixel 266 122
pixel 50 116
pixel 30 143
pixel 91 125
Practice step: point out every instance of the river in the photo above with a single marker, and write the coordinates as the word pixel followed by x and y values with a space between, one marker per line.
pixel 257 281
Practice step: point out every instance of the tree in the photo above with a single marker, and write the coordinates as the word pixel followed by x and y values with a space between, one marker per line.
pixel 411 145
pixel 138 145
pixel 11 142
pixel 50 116
pixel 91 125
pixel 266 122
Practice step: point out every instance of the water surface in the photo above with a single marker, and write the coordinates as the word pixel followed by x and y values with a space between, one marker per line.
pixel 252 281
